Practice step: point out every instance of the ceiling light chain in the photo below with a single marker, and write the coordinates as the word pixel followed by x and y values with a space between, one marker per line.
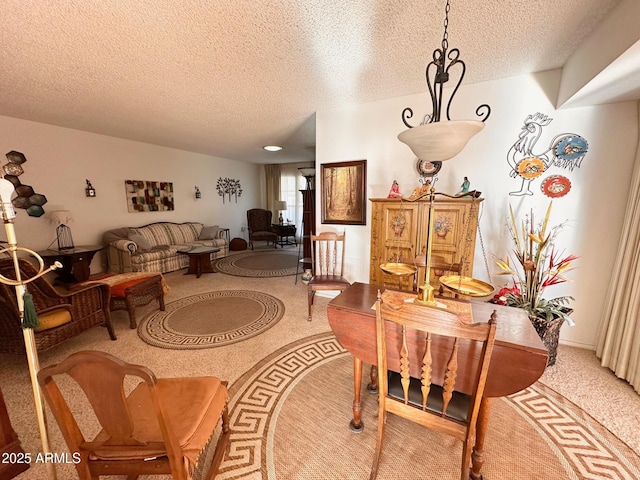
pixel 440 77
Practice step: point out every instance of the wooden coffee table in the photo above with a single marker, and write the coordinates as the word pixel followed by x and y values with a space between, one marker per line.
pixel 200 260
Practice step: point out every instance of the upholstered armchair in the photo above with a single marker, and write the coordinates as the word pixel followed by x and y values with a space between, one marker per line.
pixel 259 223
pixel 61 315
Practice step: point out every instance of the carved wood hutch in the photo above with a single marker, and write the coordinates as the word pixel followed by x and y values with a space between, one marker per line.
pixel 399 234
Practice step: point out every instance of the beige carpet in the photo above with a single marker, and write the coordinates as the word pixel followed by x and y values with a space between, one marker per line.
pixel 263 263
pixel 290 420
pixel 211 319
pixel 577 374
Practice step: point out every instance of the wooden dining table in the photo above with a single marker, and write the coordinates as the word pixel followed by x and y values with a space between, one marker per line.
pixel 519 356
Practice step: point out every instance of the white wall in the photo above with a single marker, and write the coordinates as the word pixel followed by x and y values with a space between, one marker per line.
pixel 60 159
pixel 595 205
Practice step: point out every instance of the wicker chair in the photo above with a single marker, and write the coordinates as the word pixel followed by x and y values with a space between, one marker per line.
pixel 87 306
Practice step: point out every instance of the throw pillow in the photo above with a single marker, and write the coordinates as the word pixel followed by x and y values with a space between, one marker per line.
pixel 209 233
pixel 143 243
pixel 52 320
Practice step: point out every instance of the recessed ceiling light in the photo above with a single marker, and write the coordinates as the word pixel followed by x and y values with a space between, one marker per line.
pixel 272 148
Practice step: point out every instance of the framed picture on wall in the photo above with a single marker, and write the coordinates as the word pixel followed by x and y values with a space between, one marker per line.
pixel 149 196
pixel 343 186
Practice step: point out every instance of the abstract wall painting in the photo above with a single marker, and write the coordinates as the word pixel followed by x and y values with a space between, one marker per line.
pixel 149 196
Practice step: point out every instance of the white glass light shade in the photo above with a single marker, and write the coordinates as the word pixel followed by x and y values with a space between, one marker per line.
pixel 439 141
pixel 6 191
pixel 308 172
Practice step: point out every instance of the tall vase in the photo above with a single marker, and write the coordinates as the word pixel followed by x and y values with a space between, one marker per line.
pixel 549 333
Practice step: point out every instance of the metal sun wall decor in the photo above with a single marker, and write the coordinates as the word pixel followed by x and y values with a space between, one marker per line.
pixel 26 198
pixel 229 187
pixel 565 151
pixel 149 196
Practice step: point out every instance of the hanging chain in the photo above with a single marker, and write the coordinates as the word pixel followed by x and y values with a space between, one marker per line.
pixel 445 36
pixel 484 253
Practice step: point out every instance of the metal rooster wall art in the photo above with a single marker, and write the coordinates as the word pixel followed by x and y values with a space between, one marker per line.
pixel 565 151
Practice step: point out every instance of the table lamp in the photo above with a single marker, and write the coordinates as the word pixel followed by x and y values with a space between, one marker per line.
pixel 63 232
pixel 281 206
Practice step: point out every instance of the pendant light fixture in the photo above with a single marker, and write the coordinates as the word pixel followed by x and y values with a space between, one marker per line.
pixel 437 138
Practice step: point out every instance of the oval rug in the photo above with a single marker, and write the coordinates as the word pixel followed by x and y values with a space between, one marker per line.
pixel 258 264
pixel 211 319
pixel 289 419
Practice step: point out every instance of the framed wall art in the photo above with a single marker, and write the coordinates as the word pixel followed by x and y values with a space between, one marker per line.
pixel 149 196
pixel 343 187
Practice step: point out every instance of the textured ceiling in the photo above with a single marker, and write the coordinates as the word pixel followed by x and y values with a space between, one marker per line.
pixel 225 77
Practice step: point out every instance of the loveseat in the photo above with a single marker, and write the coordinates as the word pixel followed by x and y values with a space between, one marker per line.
pixel 156 247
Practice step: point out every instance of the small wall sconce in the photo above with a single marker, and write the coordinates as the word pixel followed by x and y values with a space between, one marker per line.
pixel 90 191
pixel 198 193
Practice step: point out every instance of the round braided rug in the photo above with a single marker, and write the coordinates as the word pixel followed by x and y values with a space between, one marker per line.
pixel 270 263
pixel 211 319
pixel 277 432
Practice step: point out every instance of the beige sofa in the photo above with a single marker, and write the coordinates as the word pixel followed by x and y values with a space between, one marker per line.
pixel 155 247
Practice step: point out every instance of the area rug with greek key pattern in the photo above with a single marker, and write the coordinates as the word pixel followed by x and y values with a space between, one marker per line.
pixel 211 319
pixel 263 263
pixel 290 420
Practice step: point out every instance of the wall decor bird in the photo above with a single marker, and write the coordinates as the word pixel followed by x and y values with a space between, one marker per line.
pixel 565 151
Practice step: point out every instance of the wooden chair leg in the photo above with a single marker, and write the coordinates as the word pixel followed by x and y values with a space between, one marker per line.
pixel 379 440
pixel 221 446
pixel 161 301
pixel 109 325
pixel 310 295
pixel 131 309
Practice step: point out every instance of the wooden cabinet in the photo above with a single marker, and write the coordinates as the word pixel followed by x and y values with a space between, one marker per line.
pixel 399 234
pixel 308 224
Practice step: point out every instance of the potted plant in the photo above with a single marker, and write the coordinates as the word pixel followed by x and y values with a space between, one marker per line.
pixel 537 266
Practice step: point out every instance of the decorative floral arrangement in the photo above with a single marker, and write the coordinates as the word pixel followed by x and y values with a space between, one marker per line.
pixel 538 266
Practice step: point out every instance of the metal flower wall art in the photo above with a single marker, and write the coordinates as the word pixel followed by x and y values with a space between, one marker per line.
pixel 229 187
pixel 529 162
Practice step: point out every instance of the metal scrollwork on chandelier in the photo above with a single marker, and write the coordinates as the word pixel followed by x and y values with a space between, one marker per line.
pixel 437 74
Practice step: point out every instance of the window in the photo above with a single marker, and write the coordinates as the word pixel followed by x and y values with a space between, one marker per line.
pixel 291 182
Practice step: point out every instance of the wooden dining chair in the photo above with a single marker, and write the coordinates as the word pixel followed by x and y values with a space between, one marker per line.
pixel 162 427
pixel 327 264
pixel 425 346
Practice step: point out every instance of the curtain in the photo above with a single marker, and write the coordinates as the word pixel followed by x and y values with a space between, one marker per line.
pixel 272 178
pixel 291 182
pixel 618 344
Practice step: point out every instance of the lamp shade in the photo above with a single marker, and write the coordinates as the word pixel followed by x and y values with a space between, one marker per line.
pixel 281 205
pixel 6 191
pixel 307 171
pixel 439 141
pixel 61 217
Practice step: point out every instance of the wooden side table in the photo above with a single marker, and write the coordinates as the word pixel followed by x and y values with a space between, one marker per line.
pixel 285 233
pixel 76 263
pixel 200 260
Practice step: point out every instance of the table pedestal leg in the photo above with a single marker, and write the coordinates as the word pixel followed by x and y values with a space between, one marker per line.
pixel 477 456
pixel 373 386
pixel 356 424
